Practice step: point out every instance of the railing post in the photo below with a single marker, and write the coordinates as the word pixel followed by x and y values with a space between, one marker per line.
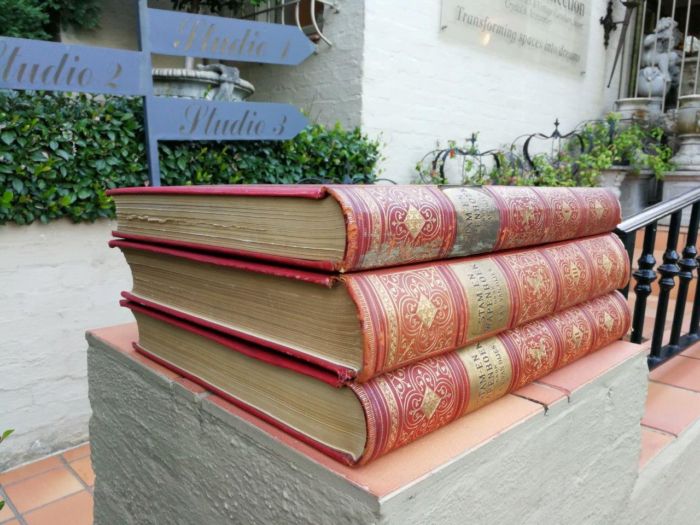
pixel 687 265
pixel 628 239
pixel 668 270
pixel 694 329
pixel 644 276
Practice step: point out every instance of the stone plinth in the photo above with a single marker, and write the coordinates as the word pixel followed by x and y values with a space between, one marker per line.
pixel 563 450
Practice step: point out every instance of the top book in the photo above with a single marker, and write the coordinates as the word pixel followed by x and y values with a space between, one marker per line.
pixel 352 227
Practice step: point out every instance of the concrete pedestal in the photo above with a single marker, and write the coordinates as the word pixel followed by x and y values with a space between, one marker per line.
pixel 563 450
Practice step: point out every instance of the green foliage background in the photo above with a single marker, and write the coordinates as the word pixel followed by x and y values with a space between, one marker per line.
pixel 42 19
pixel 59 153
pixel 607 143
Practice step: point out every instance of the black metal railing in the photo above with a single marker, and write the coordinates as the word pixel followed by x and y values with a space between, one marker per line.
pixel 683 266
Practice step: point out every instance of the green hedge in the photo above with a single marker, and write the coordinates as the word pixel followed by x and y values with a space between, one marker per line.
pixel 58 154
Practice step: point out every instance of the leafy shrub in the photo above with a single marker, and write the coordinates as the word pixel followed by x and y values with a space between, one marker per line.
pixel 606 143
pixel 58 154
pixel 42 19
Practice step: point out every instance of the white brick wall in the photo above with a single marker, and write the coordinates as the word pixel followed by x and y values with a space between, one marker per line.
pixel 56 281
pixel 328 85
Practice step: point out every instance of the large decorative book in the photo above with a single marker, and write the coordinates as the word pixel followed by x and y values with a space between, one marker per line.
pixel 346 227
pixel 363 324
pixel 358 422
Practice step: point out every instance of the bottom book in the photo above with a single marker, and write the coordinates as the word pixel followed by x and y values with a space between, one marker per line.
pixel 358 422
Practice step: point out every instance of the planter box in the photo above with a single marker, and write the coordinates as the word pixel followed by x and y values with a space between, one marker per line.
pixel 636 190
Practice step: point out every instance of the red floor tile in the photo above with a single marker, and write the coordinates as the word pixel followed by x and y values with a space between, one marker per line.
pixel 670 409
pixel 77 452
pixel 42 489
pixel 546 395
pixel 693 351
pixel 6 513
pixel 653 442
pixel 683 372
pixel 32 469
pixel 72 510
pixel 579 373
pixel 83 467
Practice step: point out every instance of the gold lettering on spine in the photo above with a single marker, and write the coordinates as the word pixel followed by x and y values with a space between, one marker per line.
pixel 488 298
pixel 489 369
pixel 478 221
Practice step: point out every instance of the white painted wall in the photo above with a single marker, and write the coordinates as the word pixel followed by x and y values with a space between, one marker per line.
pixel 328 85
pixel 419 87
pixel 56 281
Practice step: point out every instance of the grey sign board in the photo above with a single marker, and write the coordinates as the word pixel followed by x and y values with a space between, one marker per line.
pixel 32 64
pixel 187 34
pixel 51 66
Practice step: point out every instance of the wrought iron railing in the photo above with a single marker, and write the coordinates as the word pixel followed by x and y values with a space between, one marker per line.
pixel 684 266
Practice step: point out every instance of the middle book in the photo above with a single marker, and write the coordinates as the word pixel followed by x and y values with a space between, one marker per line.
pixel 360 325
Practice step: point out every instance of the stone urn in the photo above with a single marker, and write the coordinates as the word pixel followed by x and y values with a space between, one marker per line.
pixel 612 179
pixel 644 109
pixel 688 128
pixel 210 82
pixel 688 115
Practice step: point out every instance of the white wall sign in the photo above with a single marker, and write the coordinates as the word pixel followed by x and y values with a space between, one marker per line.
pixel 553 33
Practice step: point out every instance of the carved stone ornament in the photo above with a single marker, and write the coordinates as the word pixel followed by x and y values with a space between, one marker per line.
pixel 210 82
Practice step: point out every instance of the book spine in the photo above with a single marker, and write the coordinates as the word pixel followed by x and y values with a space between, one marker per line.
pixel 408 314
pixel 392 225
pixel 403 405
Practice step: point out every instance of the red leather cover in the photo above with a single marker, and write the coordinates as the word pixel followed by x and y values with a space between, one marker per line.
pixel 413 312
pixel 260 353
pixel 406 404
pixel 391 225
pixel 335 454
pixel 238 264
pixel 290 262
pixel 340 374
pixel 306 191
pixel 403 405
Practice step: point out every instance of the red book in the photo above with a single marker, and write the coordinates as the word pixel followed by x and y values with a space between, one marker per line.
pixel 353 227
pixel 358 422
pixel 360 325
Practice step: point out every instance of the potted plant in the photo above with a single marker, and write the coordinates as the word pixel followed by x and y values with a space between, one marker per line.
pixel 631 158
pixel 212 81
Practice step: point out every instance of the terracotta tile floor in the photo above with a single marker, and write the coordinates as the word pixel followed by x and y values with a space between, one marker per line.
pixel 53 491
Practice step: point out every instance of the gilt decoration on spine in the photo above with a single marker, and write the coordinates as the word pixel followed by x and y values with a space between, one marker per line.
pixel 406 404
pixel 413 313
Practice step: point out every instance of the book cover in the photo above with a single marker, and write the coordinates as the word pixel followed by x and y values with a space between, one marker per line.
pixel 405 404
pixel 391 225
pixel 408 313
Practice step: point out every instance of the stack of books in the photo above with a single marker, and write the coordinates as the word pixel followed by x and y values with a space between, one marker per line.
pixel 360 318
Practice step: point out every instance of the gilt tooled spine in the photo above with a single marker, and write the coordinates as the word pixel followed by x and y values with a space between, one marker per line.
pixel 392 225
pixel 409 314
pixel 403 405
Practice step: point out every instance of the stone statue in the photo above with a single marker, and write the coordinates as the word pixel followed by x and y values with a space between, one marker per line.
pixel 660 65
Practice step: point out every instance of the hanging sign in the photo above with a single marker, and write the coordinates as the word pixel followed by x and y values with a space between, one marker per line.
pixel 33 64
pixel 186 34
pixel 182 119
